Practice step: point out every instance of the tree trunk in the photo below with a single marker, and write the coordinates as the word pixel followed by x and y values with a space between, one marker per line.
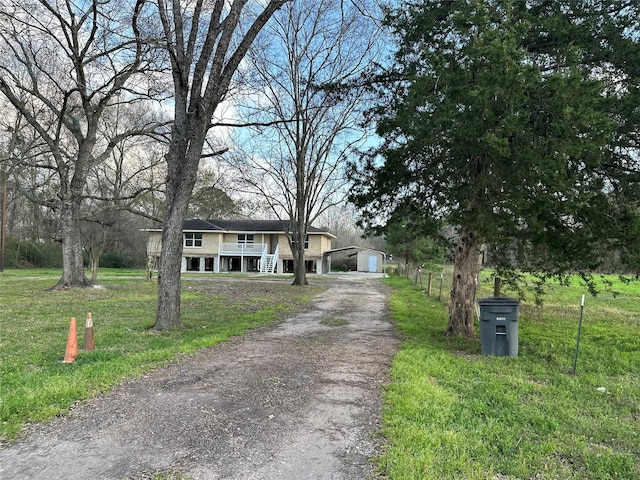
pixel 463 289
pixel 181 177
pixel 497 286
pixel 168 315
pixel 95 262
pixel 3 217
pixel 151 263
pixel 299 267
pixel 299 221
pixel 299 230
pixel 73 275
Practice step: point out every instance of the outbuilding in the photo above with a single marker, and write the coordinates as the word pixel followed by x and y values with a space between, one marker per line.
pixel 367 259
pixel 370 261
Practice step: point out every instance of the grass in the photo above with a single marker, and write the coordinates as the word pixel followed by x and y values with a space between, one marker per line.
pixel 451 413
pixel 166 475
pixel 334 322
pixel 34 323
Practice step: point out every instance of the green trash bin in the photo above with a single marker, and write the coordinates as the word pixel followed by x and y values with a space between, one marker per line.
pixel 499 326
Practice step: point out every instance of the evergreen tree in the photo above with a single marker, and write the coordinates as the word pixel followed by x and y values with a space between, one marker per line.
pixel 515 121
pixel 412 238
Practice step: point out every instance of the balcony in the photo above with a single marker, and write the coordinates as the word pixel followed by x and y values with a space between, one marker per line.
pixel 242 249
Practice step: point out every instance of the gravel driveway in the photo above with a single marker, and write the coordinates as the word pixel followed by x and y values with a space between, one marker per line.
pixel 298 400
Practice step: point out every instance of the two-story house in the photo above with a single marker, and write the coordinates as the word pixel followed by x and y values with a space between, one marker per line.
pixel 243 246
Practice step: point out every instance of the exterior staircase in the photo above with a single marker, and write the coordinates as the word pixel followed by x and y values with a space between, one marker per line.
pixel 268 261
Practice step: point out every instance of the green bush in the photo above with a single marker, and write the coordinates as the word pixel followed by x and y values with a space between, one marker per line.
pixel 29 254
pixel 120 260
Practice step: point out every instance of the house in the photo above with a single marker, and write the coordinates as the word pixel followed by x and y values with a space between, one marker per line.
pixel 242 246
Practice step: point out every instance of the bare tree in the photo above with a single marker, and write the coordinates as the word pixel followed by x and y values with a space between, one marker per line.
pixel 11 143
pixel 122 184
pixel 206 41
pixel 25 219
pixel 340 220
pixel 64 65
pixel 306 128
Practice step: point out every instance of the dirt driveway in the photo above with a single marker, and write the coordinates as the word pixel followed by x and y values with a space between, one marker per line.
pixel 298 400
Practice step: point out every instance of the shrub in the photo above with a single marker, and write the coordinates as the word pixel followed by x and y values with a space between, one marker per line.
pixel 30 254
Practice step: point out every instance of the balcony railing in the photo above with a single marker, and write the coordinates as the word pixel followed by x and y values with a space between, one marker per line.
pixel 243 249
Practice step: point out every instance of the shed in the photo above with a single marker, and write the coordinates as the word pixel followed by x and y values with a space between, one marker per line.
pixel 367 259
pixel 370 261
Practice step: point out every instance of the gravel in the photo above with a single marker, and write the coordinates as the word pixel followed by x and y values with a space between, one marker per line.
pixel 297 400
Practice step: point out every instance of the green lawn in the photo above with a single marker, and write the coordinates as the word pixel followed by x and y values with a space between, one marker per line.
pixel 451 413
pixel 34 323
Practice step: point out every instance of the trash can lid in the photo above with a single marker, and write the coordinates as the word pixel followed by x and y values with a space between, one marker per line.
pixel 498 301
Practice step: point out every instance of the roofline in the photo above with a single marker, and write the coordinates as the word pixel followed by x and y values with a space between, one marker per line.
pixel 354 247
pixel 221 230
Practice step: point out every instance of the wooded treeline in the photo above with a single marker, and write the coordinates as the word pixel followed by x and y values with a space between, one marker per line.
pixel 87 94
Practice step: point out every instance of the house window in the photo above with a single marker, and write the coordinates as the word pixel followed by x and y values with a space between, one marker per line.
pixel 192 239
pixel 245 238
pixel 309 266
pixel 193 264
pixel 306 242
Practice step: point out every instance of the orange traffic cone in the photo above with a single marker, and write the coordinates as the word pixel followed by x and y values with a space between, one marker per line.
pixel 72 343
pixel 89 343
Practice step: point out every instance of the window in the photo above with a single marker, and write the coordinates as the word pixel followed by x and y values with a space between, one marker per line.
pixel 306 242
pixel 192 239
pixel 193 264
pixel 309 265
pixel 245 238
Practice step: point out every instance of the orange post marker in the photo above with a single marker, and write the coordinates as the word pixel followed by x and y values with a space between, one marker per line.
pixel 89 342
pixel 72 343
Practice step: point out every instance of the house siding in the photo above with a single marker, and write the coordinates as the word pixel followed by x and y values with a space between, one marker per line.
pixel 317 244
pixel 209 246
